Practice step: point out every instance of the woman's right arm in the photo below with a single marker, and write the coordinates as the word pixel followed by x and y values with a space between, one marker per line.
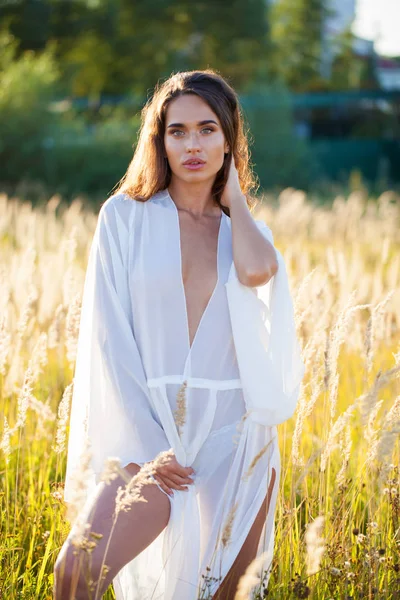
pixel 110 401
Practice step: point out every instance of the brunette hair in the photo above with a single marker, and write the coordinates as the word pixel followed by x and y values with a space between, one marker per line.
pixel 149 170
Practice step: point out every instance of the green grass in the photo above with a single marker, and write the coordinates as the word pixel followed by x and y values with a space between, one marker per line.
pixel 33 517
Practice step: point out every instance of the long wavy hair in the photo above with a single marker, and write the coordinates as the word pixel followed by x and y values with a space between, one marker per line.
pixel 149 171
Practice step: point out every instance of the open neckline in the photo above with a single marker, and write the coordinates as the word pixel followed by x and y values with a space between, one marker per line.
pixel 190 345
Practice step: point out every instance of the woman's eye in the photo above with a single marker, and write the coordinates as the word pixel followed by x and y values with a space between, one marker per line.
pixel 178 132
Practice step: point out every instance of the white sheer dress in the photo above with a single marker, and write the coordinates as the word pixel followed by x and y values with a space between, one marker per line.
pixel 133 357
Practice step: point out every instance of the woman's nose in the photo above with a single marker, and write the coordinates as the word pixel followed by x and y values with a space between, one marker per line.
pixel 193 142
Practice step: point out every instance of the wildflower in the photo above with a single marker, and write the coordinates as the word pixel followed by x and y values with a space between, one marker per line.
pixel 300 588
pixel 79 480
pixel 251 578
pixel 27 312
pixel 304 410
pixel 368 400
pixel 375 320
pixel 339 425
pixel 79 535
pixel 315 544
pixel 5 442
pixel 180 412
pixel 345 446
pixel 54 333
pixel 132 492
pixel 72 327
pixel 24 396
pixel 63 415
pixel 227 530
pixel 57 495
pixel 255 461
pixel 5 345
pixel 337 338
pixel 39 356
pixel 111 470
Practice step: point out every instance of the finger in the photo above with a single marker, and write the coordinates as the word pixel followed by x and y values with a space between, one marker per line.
pixel 163 485
pixel 170 472
pixel 182 471
pixel 178 480
pixel 173 485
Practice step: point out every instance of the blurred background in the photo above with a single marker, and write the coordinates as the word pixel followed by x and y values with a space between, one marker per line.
pixel 319 81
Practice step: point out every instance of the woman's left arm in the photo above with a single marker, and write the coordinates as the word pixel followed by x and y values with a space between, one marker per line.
pixel 254 256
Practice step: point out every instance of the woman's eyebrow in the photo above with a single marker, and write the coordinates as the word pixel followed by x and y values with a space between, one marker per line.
pixel 199 123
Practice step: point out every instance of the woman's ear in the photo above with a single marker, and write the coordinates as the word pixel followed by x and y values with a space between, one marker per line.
pixel 227 149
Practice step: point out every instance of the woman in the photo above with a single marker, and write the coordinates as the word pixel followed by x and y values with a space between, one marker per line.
pixel 176 358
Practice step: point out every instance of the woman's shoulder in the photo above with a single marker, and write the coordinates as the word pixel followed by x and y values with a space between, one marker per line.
pixel 119 207
pixel 120 212
pixel 120 200
pixel 123 202
pixel 114 221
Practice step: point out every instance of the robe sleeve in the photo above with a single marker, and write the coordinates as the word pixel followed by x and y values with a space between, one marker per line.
pixel 110 403
pixel 268 351
pixel 285 366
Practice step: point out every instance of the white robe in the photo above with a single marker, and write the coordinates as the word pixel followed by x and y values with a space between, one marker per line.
pixel 133 355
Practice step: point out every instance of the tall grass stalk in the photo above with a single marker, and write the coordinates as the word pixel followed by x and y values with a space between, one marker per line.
pixel 339 453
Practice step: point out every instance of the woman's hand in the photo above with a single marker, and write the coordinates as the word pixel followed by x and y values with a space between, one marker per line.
pixel 172 476
pixel 232 187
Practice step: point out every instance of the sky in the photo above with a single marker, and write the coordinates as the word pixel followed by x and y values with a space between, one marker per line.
pixel 379 20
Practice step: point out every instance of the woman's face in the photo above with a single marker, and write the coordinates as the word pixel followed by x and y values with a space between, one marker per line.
pixel 194 142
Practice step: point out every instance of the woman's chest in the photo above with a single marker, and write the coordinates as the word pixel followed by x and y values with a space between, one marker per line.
pixel 167 254
pixel 169 323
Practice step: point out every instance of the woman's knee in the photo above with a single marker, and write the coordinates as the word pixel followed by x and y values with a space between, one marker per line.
pixel 66 570
pixel 78 574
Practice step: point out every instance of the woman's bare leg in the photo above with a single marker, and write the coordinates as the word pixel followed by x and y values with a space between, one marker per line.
pixel 133 532
pixel 248 551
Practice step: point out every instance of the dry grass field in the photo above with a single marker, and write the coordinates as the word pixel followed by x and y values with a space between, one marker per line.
pixel 338 514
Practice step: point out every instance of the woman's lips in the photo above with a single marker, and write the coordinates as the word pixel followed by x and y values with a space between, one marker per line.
pixel 193 166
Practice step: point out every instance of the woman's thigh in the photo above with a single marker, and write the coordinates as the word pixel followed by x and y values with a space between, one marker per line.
pixel 118 540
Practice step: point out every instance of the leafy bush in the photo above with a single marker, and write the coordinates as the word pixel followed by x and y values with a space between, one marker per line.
pixel 47 147
pixel 90 158
pixel 27 83
pixel 279 156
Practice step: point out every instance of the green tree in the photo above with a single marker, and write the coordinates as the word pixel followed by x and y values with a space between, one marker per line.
pixel 234 39
pixel 120 46
pixel 28 21
pixel 297 37
pixel 350 71
pixel 280 157
pixel 27 84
